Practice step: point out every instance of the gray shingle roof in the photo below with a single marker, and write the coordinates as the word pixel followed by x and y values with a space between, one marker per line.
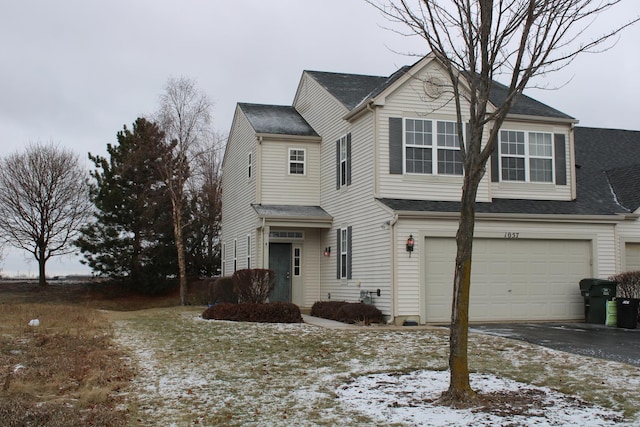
pixel 276 119
pixel 352 89
pixel 292 212
pixel 626 185
pixel 524 105
pixel 349 89
pixel 607 161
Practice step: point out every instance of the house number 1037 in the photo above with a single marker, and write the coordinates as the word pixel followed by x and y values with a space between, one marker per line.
pixel 511 235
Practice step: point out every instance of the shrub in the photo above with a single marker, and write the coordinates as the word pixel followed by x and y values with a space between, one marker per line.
pixel 347 312
pixel 253 285
pixel 222 291
pixel 273 312
pixel 628 284
pixel 326 309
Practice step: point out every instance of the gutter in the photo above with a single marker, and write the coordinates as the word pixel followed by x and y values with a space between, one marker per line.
pixel 522 217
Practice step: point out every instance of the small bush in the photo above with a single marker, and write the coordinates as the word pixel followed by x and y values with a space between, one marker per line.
pixel 347 312
pixel 326 309
pixel 273 312
pixel 359 312
pixel 628 284
pixel 253 285
pixel 222 291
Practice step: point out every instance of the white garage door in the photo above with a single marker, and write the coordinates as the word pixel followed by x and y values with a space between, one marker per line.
pixel 632 256
pixel 515 279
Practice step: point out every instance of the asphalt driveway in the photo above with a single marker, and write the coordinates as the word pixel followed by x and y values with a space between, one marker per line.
pixel 585 339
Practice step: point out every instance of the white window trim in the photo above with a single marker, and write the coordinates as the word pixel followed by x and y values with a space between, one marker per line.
pixel 250 169
pixel 344 253
pixel 433 146
pixel 248 250
pixel 343 161
pixel 297 256
pixel 223 259
pixel 303 162
pixel 527 157
pixel 235 255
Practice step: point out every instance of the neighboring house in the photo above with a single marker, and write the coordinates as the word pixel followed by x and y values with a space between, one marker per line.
pixel 327 192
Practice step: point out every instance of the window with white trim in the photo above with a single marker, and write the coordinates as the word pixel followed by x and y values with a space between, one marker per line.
pixel 297 162
pixel 344 252
pixel 235 255
pixel 223 270
pixel 343 161
pixel 419 147
pixel 249 251
pixel 250 165
pixel 526 156
pixel 297 261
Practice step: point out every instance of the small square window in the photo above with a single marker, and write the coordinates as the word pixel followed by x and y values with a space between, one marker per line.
pixel 296 161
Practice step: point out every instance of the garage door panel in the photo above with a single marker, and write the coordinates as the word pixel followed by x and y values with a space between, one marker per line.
pixel 511 279
pixel 632 256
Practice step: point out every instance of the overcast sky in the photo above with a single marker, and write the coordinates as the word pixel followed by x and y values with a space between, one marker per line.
pixel 75 71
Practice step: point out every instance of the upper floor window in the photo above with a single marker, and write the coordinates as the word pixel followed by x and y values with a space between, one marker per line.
pixel 526 156
pixel 297 161
pixel 343 161
pixel 250 164
pixel 432 152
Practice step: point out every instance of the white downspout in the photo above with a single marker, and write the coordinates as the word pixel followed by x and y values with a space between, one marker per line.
pixel 394 278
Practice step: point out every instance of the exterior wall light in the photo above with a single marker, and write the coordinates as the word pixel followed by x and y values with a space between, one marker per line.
pixel 410 244
pixel 327 251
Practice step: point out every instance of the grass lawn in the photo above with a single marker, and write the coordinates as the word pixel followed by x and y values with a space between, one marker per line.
pixel 143 365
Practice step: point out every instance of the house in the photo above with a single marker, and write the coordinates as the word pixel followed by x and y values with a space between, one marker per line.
pixel 353 191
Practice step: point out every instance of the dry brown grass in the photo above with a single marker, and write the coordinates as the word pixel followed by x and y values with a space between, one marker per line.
pixel 65 372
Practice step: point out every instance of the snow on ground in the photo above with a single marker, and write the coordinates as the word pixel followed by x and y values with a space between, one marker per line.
pixel 408 399
pixel 191 371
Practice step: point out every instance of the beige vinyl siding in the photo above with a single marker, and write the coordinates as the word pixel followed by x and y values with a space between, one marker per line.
pixel 278 187
pixel 410 101
pixel 411 274
pixel 632 256
pixel 352 205
pixel 238 218
pixel 628 245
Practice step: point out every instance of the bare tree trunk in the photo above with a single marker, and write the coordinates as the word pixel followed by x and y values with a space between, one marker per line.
pixel 42 262
pixel 459 386
pixel 182 264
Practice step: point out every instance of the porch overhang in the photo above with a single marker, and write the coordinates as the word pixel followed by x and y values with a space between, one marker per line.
pixel 293 215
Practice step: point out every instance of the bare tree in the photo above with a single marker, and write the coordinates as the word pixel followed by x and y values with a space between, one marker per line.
pixel 203 239
pixel 44 200
pixel 185 117
pixel 477 42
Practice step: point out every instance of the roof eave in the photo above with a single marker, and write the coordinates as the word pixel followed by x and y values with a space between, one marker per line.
pixel 546 119
pixel 520 217
pixel 281 136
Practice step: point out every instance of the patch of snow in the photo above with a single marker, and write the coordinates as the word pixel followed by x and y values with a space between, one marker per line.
pixel 409 399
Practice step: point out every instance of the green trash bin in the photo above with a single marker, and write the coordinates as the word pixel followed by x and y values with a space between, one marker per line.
pixel 596 293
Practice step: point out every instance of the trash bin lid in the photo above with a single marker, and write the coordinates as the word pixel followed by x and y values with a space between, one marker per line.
pixel 598 287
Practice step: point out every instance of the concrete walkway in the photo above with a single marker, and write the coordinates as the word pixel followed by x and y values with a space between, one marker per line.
pixel 326 323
